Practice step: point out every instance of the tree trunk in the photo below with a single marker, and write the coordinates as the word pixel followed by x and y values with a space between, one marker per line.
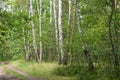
pixel 68 35
pixel 40 30
pixel 26 46
pixel 51 3
pixel 78 16
pixel 88 57
pixel 60 32
pixel 69 13
pixel 51 16
pixel 113 46
pixel 56 27
pixel 33 31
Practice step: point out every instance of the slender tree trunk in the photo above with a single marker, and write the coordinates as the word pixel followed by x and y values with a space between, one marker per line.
pixel 51 20
pixel 51 3
pixel 69 13
pixel 39 10
pixel 113 47
pixel 40 29
pixel 68 35
pixel 88 57
pixel 33 31
pixel 37 6
pixel 56 27
pixel 24 38
pixel 25 46
pixel 28 33
pixel 60 32
pixel 78 16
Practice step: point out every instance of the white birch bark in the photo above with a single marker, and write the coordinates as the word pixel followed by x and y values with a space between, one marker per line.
pixel 40 29
pixel 69 15
pixel 51 11
pixel 37 4
pixel 60 30
pixel 78 16
pixel 33 31
pixel 28 56
pixel 69 27
pixel 55 22
pixel 51 20
pixel 26 47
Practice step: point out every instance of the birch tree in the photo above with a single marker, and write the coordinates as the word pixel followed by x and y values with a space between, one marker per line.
pixel 40 29
pixel 69 13
pixel 78 16
pixel 27 41
pixel 26 46
pixel 51 11
pixel 39 11
pixel 69 26
pixel 51 21
pixel 113 39
pixel 60 31
pixel 24 37
pixel 56 26
pixel 33 31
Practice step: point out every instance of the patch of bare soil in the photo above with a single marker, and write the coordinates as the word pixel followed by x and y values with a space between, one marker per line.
pixel 15 69
pixel 8 77
pixel 4 76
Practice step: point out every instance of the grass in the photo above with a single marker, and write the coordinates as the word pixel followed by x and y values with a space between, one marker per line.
pixel 44 70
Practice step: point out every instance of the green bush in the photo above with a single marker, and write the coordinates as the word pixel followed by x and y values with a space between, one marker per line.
pixel 67 70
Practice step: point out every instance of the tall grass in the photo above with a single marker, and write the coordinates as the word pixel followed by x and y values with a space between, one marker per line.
pixel 43 70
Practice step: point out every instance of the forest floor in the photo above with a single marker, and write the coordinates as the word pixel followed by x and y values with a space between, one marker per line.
pixel 6 76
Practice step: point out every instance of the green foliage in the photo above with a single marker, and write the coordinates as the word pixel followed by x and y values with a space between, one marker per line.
pixel 67 70
pixel 9 35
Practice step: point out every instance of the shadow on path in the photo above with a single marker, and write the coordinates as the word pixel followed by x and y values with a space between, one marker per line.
pixel 8 77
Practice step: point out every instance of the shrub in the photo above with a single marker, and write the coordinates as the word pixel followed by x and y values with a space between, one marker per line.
pixel 67 70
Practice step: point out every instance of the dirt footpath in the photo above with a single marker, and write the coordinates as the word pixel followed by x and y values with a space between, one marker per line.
pixel 4 76
pixel 15 69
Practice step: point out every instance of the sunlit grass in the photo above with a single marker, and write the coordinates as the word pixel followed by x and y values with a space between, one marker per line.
pixel 44 70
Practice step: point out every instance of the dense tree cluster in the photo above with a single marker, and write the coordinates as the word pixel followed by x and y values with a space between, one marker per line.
pixel 84 33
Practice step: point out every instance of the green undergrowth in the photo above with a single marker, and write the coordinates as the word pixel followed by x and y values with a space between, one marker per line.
pixel 69 70
pixel 82 72
pixel 46 71
pixel 53 71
